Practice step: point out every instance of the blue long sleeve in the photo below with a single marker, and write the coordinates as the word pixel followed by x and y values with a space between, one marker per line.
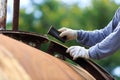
pixel 90 38
pixel 103 42
pixel 107 46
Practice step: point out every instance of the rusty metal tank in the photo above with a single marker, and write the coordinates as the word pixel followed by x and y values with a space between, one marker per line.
pixel 40 65
pixel 20 61
pixel 22 56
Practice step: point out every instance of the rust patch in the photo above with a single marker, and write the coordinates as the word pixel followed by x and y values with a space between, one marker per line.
pixel 3 11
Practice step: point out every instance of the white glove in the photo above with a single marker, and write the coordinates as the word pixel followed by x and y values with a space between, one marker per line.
pixel 77 51
pixel 69 33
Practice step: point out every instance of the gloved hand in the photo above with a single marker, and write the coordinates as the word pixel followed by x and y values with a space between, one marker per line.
pixel 77 51
pixel 69 33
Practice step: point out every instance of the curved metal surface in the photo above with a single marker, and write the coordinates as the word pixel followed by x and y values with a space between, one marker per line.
pixel 10 69
pixel 39 65
pixel 89 65
pixel 26 37
pixel 53 47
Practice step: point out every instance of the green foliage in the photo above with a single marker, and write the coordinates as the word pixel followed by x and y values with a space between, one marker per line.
pixel 58 14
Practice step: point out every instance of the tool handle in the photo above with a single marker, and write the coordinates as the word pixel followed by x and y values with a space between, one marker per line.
pixel 53 32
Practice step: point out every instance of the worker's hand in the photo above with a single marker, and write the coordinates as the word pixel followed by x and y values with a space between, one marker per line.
pixel 69 33
pixel 77 51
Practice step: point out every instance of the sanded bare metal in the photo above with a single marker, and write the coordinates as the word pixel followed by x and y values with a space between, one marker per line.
pixel 10 69
pixel 37 64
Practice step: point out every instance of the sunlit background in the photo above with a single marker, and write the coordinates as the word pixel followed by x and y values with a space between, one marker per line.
pixel 32 8
pixel 27 3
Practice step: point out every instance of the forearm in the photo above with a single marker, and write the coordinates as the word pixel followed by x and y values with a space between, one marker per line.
pixel 106 47
pixel 90 38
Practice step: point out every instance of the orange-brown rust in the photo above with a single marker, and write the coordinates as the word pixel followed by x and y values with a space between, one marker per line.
pixel 16 15
pixel 2 23
pixel 38 64
pixel 3 11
